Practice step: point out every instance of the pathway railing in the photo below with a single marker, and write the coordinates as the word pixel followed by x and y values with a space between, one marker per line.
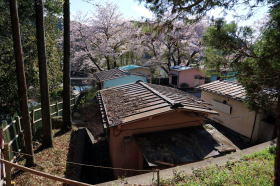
pixel 13 131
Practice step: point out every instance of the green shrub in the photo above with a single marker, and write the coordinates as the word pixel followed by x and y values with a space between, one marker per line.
pixel 56 94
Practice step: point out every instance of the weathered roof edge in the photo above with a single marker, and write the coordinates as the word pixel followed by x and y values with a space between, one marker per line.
pixel 202 87
pixel 134 118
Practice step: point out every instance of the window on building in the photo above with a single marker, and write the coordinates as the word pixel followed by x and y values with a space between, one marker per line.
pixel 222 106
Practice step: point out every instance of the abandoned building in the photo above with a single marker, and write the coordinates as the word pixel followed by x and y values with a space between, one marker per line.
pixel 185 77
pixel 116 77
pixel 151 126
pixel 228 98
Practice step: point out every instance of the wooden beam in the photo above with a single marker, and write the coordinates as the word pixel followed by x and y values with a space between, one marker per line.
pixel 45 175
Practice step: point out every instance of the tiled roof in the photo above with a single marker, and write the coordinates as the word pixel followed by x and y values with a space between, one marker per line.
pixel 112 74
pixel 109 74
pixel 229 89
pixel 139 100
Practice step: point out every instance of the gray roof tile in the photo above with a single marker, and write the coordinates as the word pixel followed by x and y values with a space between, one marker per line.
pixel 138 100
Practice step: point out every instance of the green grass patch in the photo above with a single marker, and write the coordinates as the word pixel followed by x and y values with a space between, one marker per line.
pixel 254 169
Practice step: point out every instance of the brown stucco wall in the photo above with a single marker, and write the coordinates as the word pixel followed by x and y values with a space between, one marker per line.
pixel 123 149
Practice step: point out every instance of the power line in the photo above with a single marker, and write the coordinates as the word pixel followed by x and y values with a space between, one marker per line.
pixel 95 166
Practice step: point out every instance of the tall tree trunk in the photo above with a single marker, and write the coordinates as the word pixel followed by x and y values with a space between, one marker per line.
pixel 174 60
pixel 108 62
pixel 179 56
pixel 22 89
pixel 44 88
pixel 66 66
pixel 121 60
pixel 277 158
pixel 94 62
pixel 169 58
pixel 132 57
pixel 115 62
pixel 164 69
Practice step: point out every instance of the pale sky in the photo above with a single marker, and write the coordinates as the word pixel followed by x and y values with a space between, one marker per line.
pixel 131 9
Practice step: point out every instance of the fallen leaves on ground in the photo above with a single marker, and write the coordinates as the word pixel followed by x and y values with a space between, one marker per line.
pixel 50 160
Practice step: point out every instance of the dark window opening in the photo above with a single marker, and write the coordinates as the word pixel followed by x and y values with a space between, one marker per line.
pixel 174 80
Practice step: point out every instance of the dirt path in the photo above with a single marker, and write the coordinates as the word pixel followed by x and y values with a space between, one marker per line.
pixel 50 160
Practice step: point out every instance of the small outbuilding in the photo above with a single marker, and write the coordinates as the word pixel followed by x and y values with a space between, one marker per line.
pixel 228 98
pixel 116 77
pixel 185 77
pixel 150 126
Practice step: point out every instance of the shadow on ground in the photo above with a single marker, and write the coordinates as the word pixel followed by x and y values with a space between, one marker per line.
pixel 83 150
pixel 240 141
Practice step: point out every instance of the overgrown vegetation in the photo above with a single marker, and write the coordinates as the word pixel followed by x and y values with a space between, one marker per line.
pixel 86 97
pixel 8 82
pixel 254 169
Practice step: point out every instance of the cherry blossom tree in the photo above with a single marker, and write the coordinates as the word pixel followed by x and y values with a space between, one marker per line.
pixel 172 43
pixel 105 39
pixel 101 38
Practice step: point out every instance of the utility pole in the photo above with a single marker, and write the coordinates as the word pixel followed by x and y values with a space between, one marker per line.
pixel 43 74
pixel 22 90
pixel 66 67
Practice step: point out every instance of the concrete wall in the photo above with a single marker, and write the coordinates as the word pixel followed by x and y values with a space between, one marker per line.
pixel 123 149
pixel 241 119
pixel 188 77
pixel 123 80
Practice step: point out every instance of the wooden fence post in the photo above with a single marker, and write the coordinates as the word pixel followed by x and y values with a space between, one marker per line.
pixel 32 122
pixel 8 168
pixel 20 132
pixel 2 166
pixel 57 108
pixel 158 179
